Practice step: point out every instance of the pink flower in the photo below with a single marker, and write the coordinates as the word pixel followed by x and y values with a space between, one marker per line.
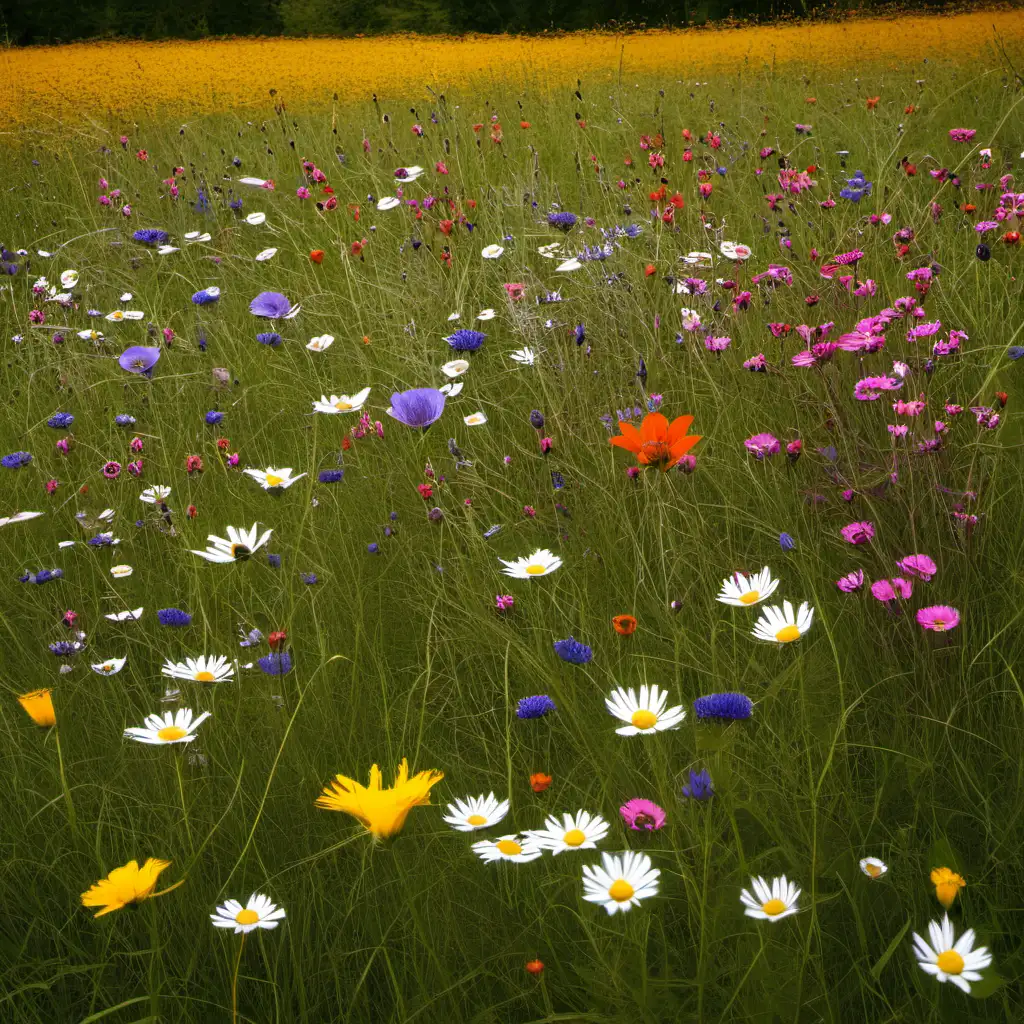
pixel 135 468
pixel 112 470
pixel 902 408
pixel 36 316
pixel 858 533
pixel 851 582
pixel 51 486
pixel 891 590
pixel 762 444
pixel 920 566
pixel 515 291
pixel 441 167
pixel 938 617
pixel 962 134
pixel 504 602
pixel 713 344
pixel 867 389
pixel 642 815
pixel 302 192
pixel 897 429
pixel 687 464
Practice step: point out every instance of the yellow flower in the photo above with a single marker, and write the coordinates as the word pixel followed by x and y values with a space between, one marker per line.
pixel 382 811
pixel 39 705
pixel 947 884
pixel 124 885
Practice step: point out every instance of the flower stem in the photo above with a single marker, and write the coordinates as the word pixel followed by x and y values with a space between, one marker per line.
pixel 234 981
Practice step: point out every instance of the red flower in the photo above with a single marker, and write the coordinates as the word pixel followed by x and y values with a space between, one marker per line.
pixel 539 782
pixel 191 512
pixel 1011 237
pixel 193 464
pixel 624 625
pixel 657 442
pixel 316 255
pixel 650 270
pixel 534 967
pixel 525 124
pixel 677 201
pixel 426 491
pixel 277 639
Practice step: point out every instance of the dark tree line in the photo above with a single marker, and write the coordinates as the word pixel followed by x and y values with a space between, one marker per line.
pixel 23 22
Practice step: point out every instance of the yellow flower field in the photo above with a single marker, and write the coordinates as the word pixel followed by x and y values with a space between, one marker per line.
pixel 101 80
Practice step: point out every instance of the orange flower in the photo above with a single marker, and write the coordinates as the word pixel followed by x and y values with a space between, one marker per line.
pixel 1011 237
pixel 968 208
pixel 524 124
pixel 317 255
pixel 947 884
pixel 657 443
pixel 539 782
pixel 39 706
pixel 811 99
pixel 534 966
pixel 650 270
pixel 873 102
pixel 909 109
pixel 624 625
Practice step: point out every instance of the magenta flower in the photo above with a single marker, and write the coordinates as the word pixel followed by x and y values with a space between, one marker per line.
pixel 504 601
pixel 112 470
pixel 867 389
pixel 962 134
pixel 642 815
pixel 920 566
pixel 891 590
pixel 858 533
pixel 762 445
pixel 851 582
pixel 939 618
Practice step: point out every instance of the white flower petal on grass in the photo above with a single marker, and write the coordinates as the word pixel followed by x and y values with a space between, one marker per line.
pixel 256 219
pixel 783 625
pixel 158 492
pixel 743 590
pixel 266 254
pixel 388 203
pixel 526 356
pixel 646 713
pixel 620 881
pixel 551 251
pixel 491 252
pixel 451 390
pixel 119 572
pixel 179 727
pixel 579 831
pixel 240 544
pixel 873 867
pixel 212 669
pixel 455 368
pixel 127 297
pixel 91 335
pixel 126 616
pixel 947 958
pixel 274 479
pixel 541 563
pixel 165 250
pixel 513 847
pixel 454 316
pixel 568 265
pixel 341 403
pixel 476 812
pixel 474 419
pixel 321 343
pixel 110 667
pixel 770 902
pixel 258 182
pixel 69 279
pixel 259 912
pixel 197 236
pixel 486 314
pixel 19 517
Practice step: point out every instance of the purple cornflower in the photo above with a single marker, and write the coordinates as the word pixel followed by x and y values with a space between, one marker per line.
pixel 534 707
pixel 151 236
pixel 174 617
pixel 60 420
pixel 122 419
pixel 699 787
pixel 572 651
pixel 271 338
pixel 331 476
pixel 466 340
pixel 16 460
pixel 858 533
pixel 213 417
pixel 270 305
pixel 206 296
pixel 139 359
pixel 42 576
pixel 276 663
pixel 564 221
pixel 723 705
pixel 762 444
pixel 418 407
pixel 786 542
pixel 856 188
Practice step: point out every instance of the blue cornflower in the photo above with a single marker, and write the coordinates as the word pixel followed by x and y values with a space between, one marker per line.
pixel 276 663
pixel 580 333
pixel 723 705
pixel 206 296
pixel 1015 352
pixel 151 236
pixel 122 419
pixel 632 230
pixel 60 420
pixel 491 531
pixel 16 460
pixel 331 476
pixel 309 578
pixel 572 651
pixel 466 340
pixel 534 707
pixel 723 171
pixel 252 638
pixel 65 648
pixel 274 561
pixel 786 542
pixel 372 548
pixel 699 786
pixel 537 419
pixel 856 187
pixel 202 204
pixel 557 480
pixel 101 540
pixel 213 417
pixel 42 576
pixel 271 338
pixel 235 204
pixel 563 221
pixel 173 617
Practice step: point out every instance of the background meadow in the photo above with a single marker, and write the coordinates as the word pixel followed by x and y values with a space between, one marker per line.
pixel 869 736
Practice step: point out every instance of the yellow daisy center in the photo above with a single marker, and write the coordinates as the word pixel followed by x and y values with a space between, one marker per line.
pixel 476 819
pixel 621 890
pixel 787 634
pixel 773 907
pixel 509 847
pixel 644 719
pixel 535 569
pixel 950 962
pixel 750 597
pixel 274 481
pixel 873 870
pixel 574 837
pixel 247 917
pixel 342 404
pixel 171 732
pixel 205 677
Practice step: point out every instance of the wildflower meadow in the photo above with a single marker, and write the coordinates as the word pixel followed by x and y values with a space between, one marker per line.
pixel 517 551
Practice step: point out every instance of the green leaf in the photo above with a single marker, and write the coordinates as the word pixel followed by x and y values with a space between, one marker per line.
pixel 876 971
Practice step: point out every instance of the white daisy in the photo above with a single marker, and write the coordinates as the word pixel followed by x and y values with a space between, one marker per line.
pixel 319 344
pixel 388 203
pixel 341 403
pixel 274 479
pixel 517 848
pixel 42 252
pixel 454 316
pixel 541 563
pixel 69 279
pixel 873 867
pixel 644 714
pixel 119 572
pixel 258 182
pixel 18 517
pixel 451 390
pixel 526 356
pixel 568 265
pixel 116 316
pixel 256 219
pixel 266 254
pixel 197 236
pixel 179 727
pixel 158 492
pixel 740 590
pixel 127 297
pixel 259 912
pixel 620 882
pixel 580 832
pixel 492 252
pixel 411 174
pixel 213 669
pixel 110 667
pixel 696 259
pixel 126 616
pixel 474 419
pixel 91 335
pixel 773 902
pixel 486 314
pixel 735 251
pixel 240 544
pixel 455 368
pixel 781 625
pixel 476 812
pixel 66 544
pixel 949 958
pixel 551 251
pixel 166 250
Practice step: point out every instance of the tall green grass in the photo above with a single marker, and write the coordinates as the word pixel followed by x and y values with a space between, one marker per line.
pixel 869 737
